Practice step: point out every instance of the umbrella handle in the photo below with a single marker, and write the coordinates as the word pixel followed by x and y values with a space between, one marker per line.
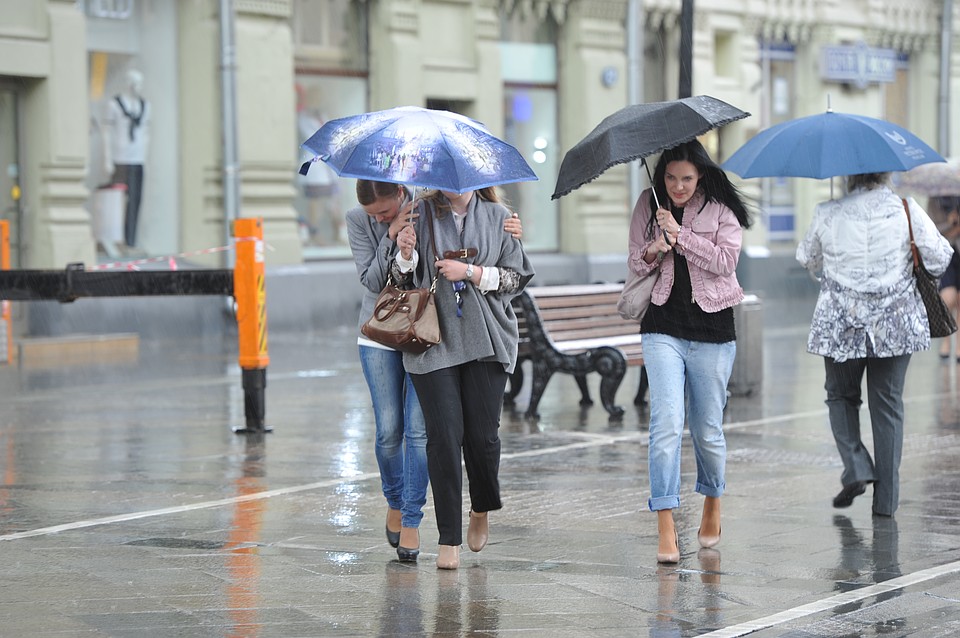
pixel 653 187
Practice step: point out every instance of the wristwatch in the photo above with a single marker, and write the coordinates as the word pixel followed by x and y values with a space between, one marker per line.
pixel 469 272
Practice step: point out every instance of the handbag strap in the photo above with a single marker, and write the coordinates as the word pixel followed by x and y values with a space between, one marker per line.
pixel 917 262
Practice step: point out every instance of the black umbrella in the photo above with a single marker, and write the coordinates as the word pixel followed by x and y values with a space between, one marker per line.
pixel 639 130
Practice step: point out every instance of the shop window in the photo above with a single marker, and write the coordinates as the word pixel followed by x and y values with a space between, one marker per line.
pixel 528 57
pixel 132 167
pixel 725 58
pixel 896 94
pixel 330 39
pixel 331 33
pixel 778 61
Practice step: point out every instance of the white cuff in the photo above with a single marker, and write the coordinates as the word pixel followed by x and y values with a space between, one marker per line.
pixel 408 266
pixel 489 278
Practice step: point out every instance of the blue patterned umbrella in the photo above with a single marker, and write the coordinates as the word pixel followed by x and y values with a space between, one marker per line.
pixel 418 147
pixel 829 145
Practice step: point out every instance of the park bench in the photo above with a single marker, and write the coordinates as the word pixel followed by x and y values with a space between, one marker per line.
pixel 575 329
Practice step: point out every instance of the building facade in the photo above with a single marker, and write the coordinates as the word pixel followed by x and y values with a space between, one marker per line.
pixel 539 73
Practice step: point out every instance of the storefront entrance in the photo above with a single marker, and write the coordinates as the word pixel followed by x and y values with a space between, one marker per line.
pixel 10 194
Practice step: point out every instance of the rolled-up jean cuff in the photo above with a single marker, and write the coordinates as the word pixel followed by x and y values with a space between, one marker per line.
pixel 663 503
pixel 710 490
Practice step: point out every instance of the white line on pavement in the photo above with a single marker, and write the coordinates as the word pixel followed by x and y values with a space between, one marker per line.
pixel 830 602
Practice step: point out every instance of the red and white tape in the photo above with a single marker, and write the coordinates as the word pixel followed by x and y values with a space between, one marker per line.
pixel 171 260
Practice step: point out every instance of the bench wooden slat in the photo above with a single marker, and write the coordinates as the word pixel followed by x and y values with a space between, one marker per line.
pixel 572 290
pixel 600 333
pixel 606 300
pixel 580 323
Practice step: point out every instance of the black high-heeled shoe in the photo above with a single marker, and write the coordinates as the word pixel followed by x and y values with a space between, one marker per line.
pixel 392 537
pixel 410 536
pixel 407 555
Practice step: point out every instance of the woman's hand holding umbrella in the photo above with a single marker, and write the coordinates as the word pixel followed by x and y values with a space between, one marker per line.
pixel 662 244
pixel 403 219
pixel 407 241
pixel 669 226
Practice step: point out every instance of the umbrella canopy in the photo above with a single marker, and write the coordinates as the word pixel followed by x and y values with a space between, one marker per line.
pixel 637 131
pixel 828 145
pixel 418 147
pixel 936 179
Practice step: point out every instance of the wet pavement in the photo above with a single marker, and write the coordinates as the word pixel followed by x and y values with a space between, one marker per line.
pixel 128 507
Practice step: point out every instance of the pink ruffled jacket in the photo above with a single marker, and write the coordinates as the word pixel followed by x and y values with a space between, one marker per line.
pixel 710 238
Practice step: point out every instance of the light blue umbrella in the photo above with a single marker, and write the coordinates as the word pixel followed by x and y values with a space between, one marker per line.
pixel 828 145
pixel 418 147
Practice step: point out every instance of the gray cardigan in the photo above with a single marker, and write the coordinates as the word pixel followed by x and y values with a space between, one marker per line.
pixel 487 331
pixel 373 251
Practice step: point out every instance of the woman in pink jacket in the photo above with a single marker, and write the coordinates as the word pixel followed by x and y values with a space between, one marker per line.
pixel 689 340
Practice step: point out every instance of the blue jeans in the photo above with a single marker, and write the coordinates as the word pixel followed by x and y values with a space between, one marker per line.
pixel 688 382
pixel 401 446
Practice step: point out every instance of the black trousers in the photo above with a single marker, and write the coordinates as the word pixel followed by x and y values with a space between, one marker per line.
pixel 132 176
pixel 461 408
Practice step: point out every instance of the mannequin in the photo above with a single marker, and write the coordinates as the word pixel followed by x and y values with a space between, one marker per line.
pixel 126 134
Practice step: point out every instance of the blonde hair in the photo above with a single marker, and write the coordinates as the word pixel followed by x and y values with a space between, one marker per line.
pixel 442 205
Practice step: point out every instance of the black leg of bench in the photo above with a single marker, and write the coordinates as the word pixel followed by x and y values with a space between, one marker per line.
pixel 641 398
pixel 516 383
pixel 541 375
pixel 584 390
pixel 611 366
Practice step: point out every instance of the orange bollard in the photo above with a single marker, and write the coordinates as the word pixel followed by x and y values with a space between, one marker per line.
pixel 249 292
pixel 6 322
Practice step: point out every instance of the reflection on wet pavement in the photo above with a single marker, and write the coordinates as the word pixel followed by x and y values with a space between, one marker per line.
pixel 128 507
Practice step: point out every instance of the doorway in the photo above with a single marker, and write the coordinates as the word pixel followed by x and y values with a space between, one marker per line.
pixel 11 208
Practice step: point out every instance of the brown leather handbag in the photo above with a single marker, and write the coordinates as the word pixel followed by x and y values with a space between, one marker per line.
pixel 406 320
pixel 941 320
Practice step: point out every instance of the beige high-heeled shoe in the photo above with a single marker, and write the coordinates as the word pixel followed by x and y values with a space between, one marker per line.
pixel 708 542
pixel 670 557
pixel 478 532
pixel 711 505
pixel 448 557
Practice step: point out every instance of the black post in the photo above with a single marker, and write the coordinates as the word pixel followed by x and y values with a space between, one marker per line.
pixel 254 401
pixel 686 49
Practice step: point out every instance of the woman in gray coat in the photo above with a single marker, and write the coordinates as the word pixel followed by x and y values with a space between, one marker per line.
pixel 460 381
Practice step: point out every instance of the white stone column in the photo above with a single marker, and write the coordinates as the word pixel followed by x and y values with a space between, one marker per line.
pixel 396 77
pixel 55 120
pixel 265 128
pixel 595 217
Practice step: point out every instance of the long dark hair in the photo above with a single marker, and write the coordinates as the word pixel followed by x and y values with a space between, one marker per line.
pixel 713 182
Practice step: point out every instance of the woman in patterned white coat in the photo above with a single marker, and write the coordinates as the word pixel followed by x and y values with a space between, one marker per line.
pixel 869 318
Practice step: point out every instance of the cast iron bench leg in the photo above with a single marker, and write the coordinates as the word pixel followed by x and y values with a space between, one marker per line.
pixel 516 383
pixel 541 376
pixel 641 398
pixel 611 366
pixel 584 390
